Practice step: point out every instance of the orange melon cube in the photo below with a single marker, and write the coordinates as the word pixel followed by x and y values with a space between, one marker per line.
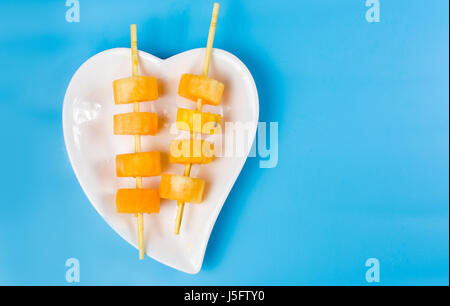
pixel 195 87
pixel 130 201
pixel 187 151
pixel 142 164
pixel 140 123
pixel 181 188
pixel 198 122
pixel 135 89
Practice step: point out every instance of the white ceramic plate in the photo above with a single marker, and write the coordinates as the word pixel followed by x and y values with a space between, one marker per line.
pixel 88 132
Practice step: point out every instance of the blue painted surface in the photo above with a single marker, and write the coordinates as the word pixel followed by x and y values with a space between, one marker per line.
pixel 363 165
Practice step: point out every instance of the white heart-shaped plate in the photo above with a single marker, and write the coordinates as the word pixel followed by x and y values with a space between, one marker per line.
pixel 88 133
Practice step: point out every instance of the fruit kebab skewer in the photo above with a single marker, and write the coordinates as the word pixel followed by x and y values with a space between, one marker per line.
pixel 136 89
pixel 200 89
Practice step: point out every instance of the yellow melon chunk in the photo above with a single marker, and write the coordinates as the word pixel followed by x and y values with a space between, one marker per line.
pixel 195 87
pixel 136 123
pixel 188 151
pixel 135 89
pixel 130 201
pixel 181 188
pixel 198 122
pixel 142 164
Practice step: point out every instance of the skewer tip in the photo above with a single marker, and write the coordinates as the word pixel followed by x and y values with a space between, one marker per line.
pixel 179 217
pixel 215 11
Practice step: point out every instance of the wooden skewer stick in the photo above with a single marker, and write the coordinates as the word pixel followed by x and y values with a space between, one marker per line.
pixel 137 138
pixel 209 45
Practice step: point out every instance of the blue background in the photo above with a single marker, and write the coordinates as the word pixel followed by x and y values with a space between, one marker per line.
pixel 363 165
